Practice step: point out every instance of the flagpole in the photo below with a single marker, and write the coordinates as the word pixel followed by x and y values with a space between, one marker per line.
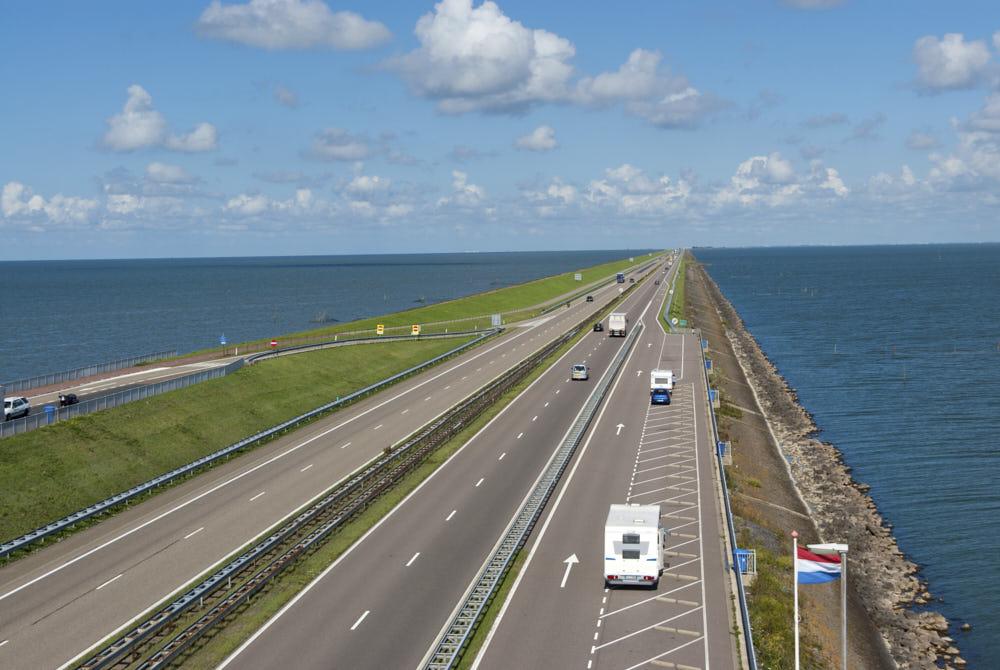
pixel 843 607
pixel 795 591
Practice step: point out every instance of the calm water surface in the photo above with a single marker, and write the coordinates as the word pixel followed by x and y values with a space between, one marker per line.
pixel 896 352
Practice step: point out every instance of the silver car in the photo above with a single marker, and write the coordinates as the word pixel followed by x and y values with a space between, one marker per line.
pixel 580 371
pixel 15 407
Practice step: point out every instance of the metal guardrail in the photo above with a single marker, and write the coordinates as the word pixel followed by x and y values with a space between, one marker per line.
pixel 451 644
pixel 68 521
pixel 383 470
pixel 730 526
pixel 28 383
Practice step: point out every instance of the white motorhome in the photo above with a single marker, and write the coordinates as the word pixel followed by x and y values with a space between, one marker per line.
pixel 617 324
pixel 661 379
pixel 633 546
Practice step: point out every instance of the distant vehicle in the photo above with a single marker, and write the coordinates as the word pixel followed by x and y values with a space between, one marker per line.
pixel 620 277
pixel 633 546
pixel 657 282
pixel 590 298
pixel 67 399
pixel 631 280
pixel 598 327
pixel 661 384
pixel 15 407
pixel 617 324
pixel 580 371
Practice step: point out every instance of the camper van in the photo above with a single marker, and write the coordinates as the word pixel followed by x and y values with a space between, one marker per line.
pixel 633 546
pixel 661 384
pixel 617 324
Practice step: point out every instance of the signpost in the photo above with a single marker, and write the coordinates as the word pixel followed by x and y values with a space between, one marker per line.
pixel 274 343
pixel 222 340
pixel 380 329
pixel 578 276
pixel 415 329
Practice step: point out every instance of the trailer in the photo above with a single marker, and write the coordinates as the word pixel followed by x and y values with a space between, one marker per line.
pixel 661 385
pixel 617 324
pixel 633 546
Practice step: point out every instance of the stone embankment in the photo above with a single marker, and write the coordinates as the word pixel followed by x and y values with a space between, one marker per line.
pixel 887 582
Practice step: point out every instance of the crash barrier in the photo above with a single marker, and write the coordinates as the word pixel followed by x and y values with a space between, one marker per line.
pixel 68 521
pixel 28 383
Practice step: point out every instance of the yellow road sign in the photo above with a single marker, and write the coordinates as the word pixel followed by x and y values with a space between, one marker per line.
pixel 415 329
pixel 380 329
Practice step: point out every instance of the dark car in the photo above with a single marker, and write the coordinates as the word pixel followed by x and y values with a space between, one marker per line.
pixel 66 399
pixel 657 282
pixel 631 280
pixel 598 327
pixel 590 298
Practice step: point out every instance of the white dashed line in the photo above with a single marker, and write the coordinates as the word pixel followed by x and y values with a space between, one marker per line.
pixel 345 446
pixel 378 426
pixel 502 455
pixel 451 515
pixel 4 642
pixel 257 496
pixel 481 480
pixel 306 468
pixel 410 562
pixel 360 619
pixel 427 398
pixel 447 387
pixel 535 418
pixel 405 411
pixel 113 579
pixel 519 435
pixel 193 533
pixel 546 404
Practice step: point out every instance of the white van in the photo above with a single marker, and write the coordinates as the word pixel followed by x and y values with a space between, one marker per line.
pixel 617 324
pixel 633 546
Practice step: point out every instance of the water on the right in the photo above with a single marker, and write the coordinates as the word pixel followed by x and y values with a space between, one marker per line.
pixel 896 353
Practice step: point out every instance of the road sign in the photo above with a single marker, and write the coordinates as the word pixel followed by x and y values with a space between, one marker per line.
pixel 274 343
pixel 674 320
pixel 380 329
pixel 415 329
pixel 578 276
pixel 222 340
pixel 496 320
pixel 684 323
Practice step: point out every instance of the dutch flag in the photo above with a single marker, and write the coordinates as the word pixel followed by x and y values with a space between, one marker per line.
pixel 817 568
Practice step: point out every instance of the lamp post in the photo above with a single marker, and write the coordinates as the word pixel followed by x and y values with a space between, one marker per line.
pixel 841 549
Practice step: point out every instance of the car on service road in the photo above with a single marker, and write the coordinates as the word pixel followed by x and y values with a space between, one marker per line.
pixel 598 327
pixel 15 407
pixel 580 372
pixel 67 399
pixel 590 298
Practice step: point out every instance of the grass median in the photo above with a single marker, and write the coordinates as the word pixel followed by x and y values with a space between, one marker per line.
pixel 49 473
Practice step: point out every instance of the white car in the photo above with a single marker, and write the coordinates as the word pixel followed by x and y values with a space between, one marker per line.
pixel 15 407
pixel 580 371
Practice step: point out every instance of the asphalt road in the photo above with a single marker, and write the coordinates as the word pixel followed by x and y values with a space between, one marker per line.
pixel 383 602
pixel 63 600
pixel 661 455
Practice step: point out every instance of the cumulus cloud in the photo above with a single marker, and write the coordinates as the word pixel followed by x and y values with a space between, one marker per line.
pixel 286 96
pixel 20 203
pixel 290 24
pixel 542 138
pixel 139 125
pixel 772 181
pixel 253 205
pixel 368 184
pixel 950 62
pixel 479 59
pixel 162 173
pixel 336 144
pixel 628 190
pixel 464 194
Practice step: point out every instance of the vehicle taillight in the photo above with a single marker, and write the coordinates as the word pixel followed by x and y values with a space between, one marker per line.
pixel 612 578
pixel 647 578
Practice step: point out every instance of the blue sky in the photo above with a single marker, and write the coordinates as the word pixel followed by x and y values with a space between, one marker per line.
pixel 301 126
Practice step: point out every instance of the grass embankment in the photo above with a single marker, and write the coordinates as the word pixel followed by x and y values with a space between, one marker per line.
pixel 48 473
pixel 474 311
pixel 677 304
pixel 221 642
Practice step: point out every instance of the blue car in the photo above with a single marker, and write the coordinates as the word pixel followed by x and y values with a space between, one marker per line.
pixel 660 397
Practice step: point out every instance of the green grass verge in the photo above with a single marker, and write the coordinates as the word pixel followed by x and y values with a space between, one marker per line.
pixel 49 473
pixel 218 644
pixel 677 306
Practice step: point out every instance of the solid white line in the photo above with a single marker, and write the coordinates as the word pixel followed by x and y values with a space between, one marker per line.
pixel 410 562
pixel 678 648
pixel 502 455
pixel 650 627
pixel 257 496
pixel 306 468
pixel 360 619
pixel 481 479
pixel 193 533
pixel 345 446
pixel 113 579
pixel 448 518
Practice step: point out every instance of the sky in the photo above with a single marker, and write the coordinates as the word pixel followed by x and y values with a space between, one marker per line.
pixel 273 127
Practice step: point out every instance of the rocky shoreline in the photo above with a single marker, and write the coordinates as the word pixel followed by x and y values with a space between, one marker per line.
pixel 887 582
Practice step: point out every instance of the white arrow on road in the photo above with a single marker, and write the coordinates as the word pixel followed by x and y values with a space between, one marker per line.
pixel 620 426
pixel 569 566
pixel 638 373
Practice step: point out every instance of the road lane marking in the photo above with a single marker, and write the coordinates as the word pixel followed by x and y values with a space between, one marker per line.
pixel 257 496
pixel 481 479
pixel 4 642
pixel 448 518
pixel 410 562
pixel 193 533
pixel 360 619
pixel 306 468
pixel 535 418
pixel 113 579
pixel 405 410
pixel 557 391
pixel 502 455
pixel 519 435
pixel 378 426
pixel 447 387
pixel 427 398
pixel 546 404
pixel 345 446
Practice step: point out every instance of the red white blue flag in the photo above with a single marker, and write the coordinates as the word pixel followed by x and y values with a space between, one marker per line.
pixel 817 568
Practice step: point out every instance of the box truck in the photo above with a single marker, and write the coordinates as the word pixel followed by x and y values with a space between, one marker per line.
pixel 617 324
pixel 620 277
pixel 633 546
pixel 661 385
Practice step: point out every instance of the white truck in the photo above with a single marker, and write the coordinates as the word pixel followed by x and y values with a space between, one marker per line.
pixel 633 546
pixel 661 385
pixel 617 324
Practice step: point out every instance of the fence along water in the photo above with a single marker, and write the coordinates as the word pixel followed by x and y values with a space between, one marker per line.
pixel 28 383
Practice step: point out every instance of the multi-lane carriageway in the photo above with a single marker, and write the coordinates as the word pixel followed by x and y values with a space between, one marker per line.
pixel 385 601
pixel 60 602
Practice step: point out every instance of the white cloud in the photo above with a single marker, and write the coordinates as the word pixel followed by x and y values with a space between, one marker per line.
pixel 950 63
pixel 368 184
pixel 162 173
pixel 140 126
pixel 630 191
pixel 987 119
pixel 19 202
pixel 255 205
pixel 339 145
pixel 290 24
pixel 463 194
pixel 771 180
pixel 286 96
pixel 542 138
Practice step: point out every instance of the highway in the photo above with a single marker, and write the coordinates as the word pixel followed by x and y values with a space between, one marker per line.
pixel 564 617
pixel 60 602
pixel 384 601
